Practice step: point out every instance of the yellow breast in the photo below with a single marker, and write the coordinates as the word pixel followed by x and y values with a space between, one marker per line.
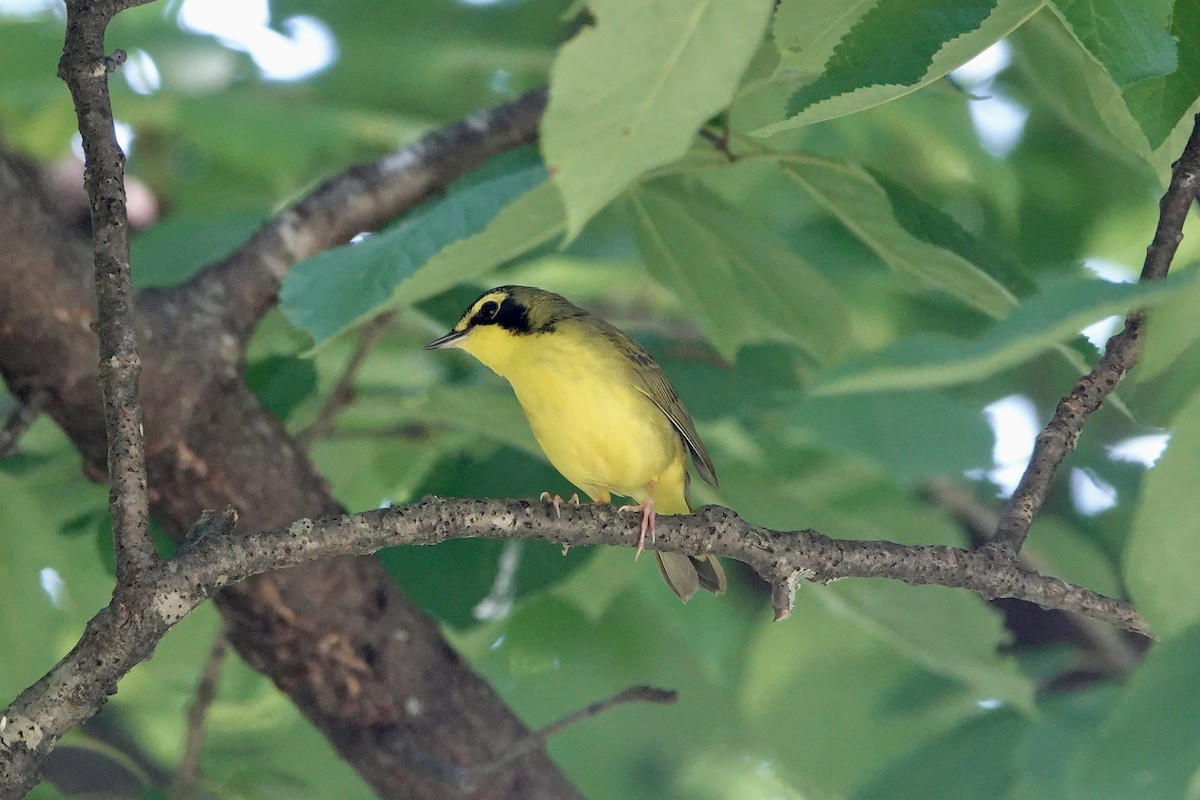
pixel 594 425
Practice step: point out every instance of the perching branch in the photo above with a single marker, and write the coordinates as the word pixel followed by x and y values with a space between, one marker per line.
pixel 782 558
pixel 84 67
pixel 214 556
pixel 1058 438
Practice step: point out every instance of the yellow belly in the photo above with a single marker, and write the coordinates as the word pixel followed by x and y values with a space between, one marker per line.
pixel 597 429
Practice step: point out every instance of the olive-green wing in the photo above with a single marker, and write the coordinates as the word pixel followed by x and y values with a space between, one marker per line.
pixel 652 382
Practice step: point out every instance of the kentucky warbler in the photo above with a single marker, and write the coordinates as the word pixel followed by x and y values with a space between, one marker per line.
pixel 599 406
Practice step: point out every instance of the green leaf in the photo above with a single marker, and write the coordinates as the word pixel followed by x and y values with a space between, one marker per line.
pixel 1067 722
pixel 855 198
pixel 740 280
pixel 949 632
pixel 807 31
pixel 647 636
pixel 178 246
pixel 489 577
pixel 816 667
pixel 1159 103
pixel 244 126
pixel 533 219
pixel 1076 88
pixel 912 435
pixel 933 226
pixel 461 407
pixel 1168 374
pixel 1131 40
pixel 1148 748
pixel 282 382
pixel 1172 333
pixel 53 582
pixel 1161 562
pixel 734 772
pixel 893 43
pixel 1135 44
pixel 939 768
pixel 330 292
pixel 1054 316
pixel 629 93
pixel 860 90
pixel 45 791
pixel 21 464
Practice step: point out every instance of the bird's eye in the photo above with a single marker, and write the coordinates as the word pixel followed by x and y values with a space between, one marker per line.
pixel 487 312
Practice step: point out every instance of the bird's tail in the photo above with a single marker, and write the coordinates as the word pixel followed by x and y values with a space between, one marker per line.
pixel 685 574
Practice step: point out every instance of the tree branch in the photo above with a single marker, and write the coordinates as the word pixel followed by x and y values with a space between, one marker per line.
pixel 1112 651
pixel 1058 438
pixel 84 67
pixel 782 558
pixel 324 633
pixel 214 556
pixel 118 638
pixel 363 198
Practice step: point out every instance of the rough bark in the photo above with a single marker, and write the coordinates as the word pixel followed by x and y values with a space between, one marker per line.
pixel 350 650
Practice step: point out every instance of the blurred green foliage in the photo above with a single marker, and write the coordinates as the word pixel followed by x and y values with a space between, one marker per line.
pixel 875 206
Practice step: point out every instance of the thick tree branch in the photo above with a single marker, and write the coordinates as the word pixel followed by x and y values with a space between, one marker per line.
pixel 326 633
pixel 84 67
pixel 1058 438
pixel 213 556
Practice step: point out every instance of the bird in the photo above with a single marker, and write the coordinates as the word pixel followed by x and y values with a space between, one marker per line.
pixel 599 406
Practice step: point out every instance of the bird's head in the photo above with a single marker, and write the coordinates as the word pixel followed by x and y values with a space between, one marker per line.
pixel 496 326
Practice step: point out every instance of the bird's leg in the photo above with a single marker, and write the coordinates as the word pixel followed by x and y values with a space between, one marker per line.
pixel 647 509
pixel 557 501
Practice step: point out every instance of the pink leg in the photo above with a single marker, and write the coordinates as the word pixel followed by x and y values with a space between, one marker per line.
pixel 647 509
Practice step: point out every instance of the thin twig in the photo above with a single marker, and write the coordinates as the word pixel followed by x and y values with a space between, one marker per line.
pixel 1117 656
pixel 538 739
pixel 188 776
pixel 343 391
pixel 19 421
pixel 719 141
pixel 85 68
pixel 1058 438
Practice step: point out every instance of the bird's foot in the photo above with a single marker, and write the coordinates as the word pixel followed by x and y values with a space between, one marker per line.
pixel 647 509
pixel 557 501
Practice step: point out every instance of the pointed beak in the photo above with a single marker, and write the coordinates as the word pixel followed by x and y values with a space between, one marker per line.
pixel 451 339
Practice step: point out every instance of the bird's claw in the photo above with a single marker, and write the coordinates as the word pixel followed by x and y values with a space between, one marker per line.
pixel 647 509
pixel 557 501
